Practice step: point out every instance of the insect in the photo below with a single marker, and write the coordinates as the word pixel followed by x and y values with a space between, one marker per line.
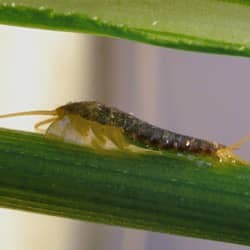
pixel 101 127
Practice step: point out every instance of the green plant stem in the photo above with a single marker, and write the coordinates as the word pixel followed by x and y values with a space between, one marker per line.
pixel 174 193
pixel 218 26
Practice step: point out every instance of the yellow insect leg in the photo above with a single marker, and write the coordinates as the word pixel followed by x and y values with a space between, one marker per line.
pixel 41 123
pixel 102 138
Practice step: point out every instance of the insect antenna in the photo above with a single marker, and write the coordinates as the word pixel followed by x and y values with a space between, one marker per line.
pixel 35 112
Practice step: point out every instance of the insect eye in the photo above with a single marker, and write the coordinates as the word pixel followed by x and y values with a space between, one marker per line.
pixel 60 111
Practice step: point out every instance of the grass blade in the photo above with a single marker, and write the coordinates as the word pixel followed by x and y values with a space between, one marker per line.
pixel 174 193
pixel 218 26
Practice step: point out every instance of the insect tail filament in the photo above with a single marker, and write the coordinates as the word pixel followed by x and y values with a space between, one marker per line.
pixel 226 153
pixel 239 143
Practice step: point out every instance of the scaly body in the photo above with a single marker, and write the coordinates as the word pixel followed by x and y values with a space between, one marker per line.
pixel 139 130
pixel 99 126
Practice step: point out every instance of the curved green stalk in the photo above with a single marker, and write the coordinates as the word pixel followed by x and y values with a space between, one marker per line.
pixel 174 193
pixel 218 26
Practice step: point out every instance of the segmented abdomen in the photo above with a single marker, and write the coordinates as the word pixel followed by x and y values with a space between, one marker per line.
pixel 139 130
pixel 165 139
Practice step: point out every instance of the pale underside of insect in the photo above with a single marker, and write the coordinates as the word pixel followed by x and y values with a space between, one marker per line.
pixel 107 128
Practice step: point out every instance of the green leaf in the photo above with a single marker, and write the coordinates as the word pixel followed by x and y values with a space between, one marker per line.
pixel 218 26
pixel 174 193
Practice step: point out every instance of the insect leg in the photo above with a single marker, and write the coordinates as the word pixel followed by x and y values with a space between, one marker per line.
pixel 41 123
